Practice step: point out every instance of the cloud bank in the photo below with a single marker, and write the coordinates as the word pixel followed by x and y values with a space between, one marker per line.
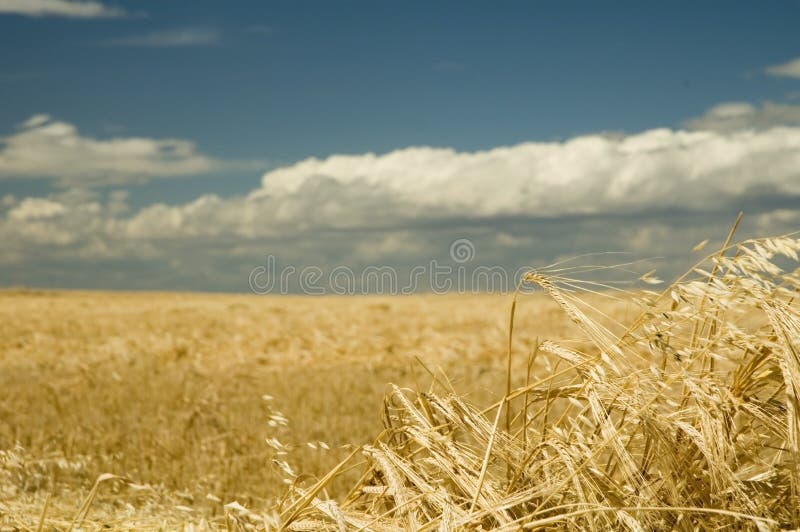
pixel 653 193
pixel 60 8
pixel 592 174
pixel 42 147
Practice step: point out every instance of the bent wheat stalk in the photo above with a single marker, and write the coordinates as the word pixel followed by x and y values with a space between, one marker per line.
pixel 638 431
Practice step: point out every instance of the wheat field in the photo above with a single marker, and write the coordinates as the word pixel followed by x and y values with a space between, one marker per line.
pixel 167 389
pixel 664 409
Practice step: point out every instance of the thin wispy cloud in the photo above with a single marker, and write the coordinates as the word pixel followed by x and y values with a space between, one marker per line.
pixel 790 69
pixel 60 8
pixel 733 116
pixel 177 37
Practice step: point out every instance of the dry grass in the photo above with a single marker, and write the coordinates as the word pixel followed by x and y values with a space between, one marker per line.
pixel 685 415
pixel 166 390
pixel 687 418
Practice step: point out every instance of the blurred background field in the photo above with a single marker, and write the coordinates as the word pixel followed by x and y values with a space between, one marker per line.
pixel 169 389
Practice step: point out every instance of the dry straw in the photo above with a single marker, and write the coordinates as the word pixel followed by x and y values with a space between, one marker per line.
pixel 688 419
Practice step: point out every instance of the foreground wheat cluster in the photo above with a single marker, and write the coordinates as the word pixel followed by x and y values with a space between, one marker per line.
pixel 688 418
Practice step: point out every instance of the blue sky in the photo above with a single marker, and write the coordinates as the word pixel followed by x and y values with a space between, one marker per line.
pixel 285 80
pixel 257 86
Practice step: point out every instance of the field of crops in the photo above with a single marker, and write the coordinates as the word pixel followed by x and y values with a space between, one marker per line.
pixel 168 389
pixel 670 409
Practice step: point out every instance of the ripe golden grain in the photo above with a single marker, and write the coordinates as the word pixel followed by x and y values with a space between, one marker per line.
pixel 684 415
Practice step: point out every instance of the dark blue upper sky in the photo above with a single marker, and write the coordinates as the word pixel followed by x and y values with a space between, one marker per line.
pixel 281 81
pixel 292 79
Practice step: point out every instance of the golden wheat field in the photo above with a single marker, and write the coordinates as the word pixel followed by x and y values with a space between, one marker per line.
pixel 167 389
pixel 674 408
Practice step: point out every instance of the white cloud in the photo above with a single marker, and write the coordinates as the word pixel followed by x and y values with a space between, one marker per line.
pixel 656 192
pixel 36 121
pixel 790 69
pixel 593 174
pixel 42 147
pixel 780 217
pixel 657 171
pixel 171 38
pixel 734 116
pixel 36 209
pixel 60 8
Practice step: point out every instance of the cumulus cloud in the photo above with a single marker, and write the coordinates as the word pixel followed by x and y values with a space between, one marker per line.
pixel 43 147
pixel 790 69
pixel 592 174
pixel 60 8
pixel 171 38
pixel 654 193
pixel 779 217
pixel 734 116
pixel 36 209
